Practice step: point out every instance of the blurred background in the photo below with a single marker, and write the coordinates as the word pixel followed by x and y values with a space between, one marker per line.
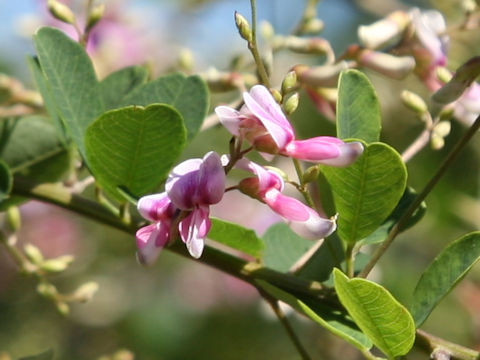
pixel 179 309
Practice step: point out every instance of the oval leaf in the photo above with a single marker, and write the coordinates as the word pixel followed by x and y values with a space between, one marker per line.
pixel 236 237
pixel 134 147
pixel 358 110
pixel 189 95
pixel 367 191
pixel 332 320
pixel 443 274
pixel 72 81
pixel 376 312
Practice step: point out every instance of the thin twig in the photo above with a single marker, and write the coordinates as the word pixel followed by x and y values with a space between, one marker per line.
pixel 252 46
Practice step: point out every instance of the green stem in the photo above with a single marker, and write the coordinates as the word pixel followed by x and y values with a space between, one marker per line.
pixel 286 325
pixel 305 193
pixel 252 46
pixel 431 343
pixel 419 199
pixel 350 261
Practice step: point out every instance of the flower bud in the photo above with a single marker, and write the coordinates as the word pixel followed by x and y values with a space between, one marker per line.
pixel 437 142
pixel 291 104
pixel 14 219
pixel 311 174
pixel 95 15
pixel 442 128
pixel 414 102
pixel 267 31
pixel 384 32
pixel 395 67
pixel 276 95
pixel 321 76
pixel 61 11
pixel 185 60
pixel 47 290
pixel 33 254
pixel 289 82
pixel 443 74
pixel 57 264
pixel 86 291
pixel 469 6
pixel 63 308
pixel 243 27
pixel 312 27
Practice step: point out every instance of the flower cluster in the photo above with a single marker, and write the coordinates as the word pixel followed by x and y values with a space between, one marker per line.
pixel 195 184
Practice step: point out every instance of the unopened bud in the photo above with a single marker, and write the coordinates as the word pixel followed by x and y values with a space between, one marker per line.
pixel 436 142
pixel 395 67
pixel 276 95
pixel 57 264
pixel 443 74
pixel 312 26
pixel 95 15
pixel 47 290
pixel 291 104
pixel 33 254
pixel 442 128
pixel 185 60
pixel 469 6
pixel 61 11
pixel 243 27
pixel 86 291
pixel 414 102
pixel 289 82
pixel 311 174
pixel 446 113
pixel 63 308
pixel 267 31
pixel 384 32
pixel 14 219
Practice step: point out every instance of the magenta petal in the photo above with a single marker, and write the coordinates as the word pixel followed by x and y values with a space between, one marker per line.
pixel 315 227
pixel 147 238
pixel 154 207
pixel 230 118
pixel 211 182
pixel 349 152
pixel 314 149
pixel 262 104
pixel 285 206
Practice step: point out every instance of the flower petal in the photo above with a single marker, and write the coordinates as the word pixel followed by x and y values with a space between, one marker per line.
pixel 230 118
pixel 266 179
pixel 211 180
pixel 150 241
pixel 193 230
pixel 154 207
pixel 286 206
pixel 315 227
pixel 262 104
pixel 349 152
pixel 315 149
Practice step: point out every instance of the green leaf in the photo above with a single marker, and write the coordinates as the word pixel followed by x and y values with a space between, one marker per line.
pixel 358 110
pixel 30 146
pixel 332 320
pixel 443 274
pixel 45 355
pixel 407 199
pixel 48 100
pixel 5 180
pixel 236 237
pixel 283 247
pixel 367 191
pixel 116 86
pixel 134 147
pixel 376 312
pixel 461 80
pixel 72 81
pixel 189 95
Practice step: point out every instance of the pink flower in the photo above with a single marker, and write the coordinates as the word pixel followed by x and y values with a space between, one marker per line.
pixel 152 238
pixel 262 122
pixel 467 107
pixel 267 187
pixel 193 186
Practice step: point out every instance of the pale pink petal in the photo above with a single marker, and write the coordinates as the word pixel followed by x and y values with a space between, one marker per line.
pixel 285 206
pixel 150 241
pixel 230 118
pixel 266 179
pixel 193 230
pixel 315 227
pixel 154 207
pixel 262 104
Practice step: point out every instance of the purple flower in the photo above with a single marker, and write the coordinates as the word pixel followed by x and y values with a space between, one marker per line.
pixel 467 107
pixel 267 187
pixel 191 188
pixel 262 122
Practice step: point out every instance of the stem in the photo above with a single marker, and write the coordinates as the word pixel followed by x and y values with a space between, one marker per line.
pixel 433 344
pixel 420 142
pixel 301 188
pixel 252 46
pixel 286 325
pixel 349 261
pixel 428 188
